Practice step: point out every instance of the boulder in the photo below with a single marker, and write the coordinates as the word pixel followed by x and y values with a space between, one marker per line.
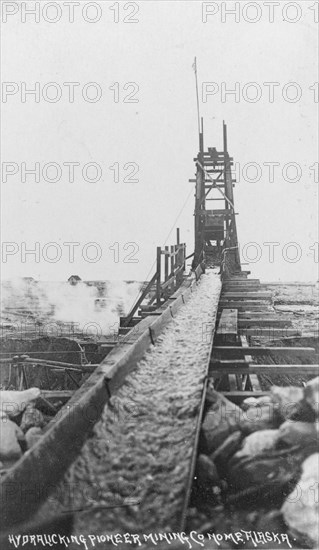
pixel 12 403
pixel 226 450
pixel 249 402
pixel 298 433
pixel 290 404
pixel 10 434
pixel 253 401
pixel 273 475
pixel 257 442
pixel 311 393
pixel 206 471
pixel 259 417
pixel 301 508
pixel 31 418
pixel 221 419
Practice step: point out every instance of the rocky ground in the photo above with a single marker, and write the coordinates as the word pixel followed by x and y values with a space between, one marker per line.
pixel 258 464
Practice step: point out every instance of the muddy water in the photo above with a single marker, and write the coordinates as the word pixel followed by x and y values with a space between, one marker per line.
pixel 131 475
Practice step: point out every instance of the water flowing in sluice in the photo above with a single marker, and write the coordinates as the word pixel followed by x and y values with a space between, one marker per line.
pixel 140 452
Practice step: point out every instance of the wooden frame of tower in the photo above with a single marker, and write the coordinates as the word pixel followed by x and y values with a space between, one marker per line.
pixel 216 241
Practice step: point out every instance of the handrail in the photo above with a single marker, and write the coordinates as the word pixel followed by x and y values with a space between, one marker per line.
pixel 140 300
pixel 174 265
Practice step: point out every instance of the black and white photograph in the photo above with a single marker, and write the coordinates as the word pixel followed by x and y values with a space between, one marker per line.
pixel 159 376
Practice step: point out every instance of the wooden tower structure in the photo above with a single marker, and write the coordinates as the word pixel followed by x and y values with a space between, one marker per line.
pixel 216 241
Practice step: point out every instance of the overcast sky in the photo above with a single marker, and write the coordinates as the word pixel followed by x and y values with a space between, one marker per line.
pixel 157 133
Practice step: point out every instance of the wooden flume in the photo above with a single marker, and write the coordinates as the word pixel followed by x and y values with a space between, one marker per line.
pixel 244 309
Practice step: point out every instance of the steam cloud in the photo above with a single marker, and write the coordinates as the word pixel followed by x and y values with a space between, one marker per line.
pixel 93 308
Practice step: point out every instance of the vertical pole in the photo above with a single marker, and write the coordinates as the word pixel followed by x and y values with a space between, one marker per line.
pixel 172 258
pixel 227 224
pixel 166 262
pixel 199 201
pixel 177 236
pixel 172 265
pixel 225 136
pixel 158 272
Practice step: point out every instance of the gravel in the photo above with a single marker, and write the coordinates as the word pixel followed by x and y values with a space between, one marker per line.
pixel 132 474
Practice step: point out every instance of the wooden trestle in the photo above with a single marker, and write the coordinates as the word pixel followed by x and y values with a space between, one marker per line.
pixel 233 366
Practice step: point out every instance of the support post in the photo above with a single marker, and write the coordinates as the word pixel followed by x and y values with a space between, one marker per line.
pixel 166 262
pixel 158 272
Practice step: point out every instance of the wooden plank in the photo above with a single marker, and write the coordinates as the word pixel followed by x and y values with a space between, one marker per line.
pixel 228 322
pixel 59 365
pixel 243 285
pixel 263 350
pixel 245 306
pixel 269 332
pixel 240 280
pixel 266 369
pixel 236 288
pixel 140 299
pixel 252 378
pixel 232 380
pixel 243 323
pixel 229 361
pixel 259 315
pixel 247 296
pixel 256 314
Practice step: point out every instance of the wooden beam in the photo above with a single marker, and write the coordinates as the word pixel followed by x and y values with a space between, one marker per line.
pixel 242 306
pixel 260 351
pixel 252 378
pixel 228 322
pixel 269 332
pixel 60 365
pixel 240 280
pixel 251 315
pixel 266 369
pixel 260 315
pixel 246 296
pixel 243 323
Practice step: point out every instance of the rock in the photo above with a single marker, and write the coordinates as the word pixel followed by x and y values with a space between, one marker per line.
pixel 301 508
pixel 10 434
pixel 206 471
pixel 249 402
pixel 31 418
pixel 298 433
pixel 257 442
pixel 12 403
pixel 271 521
pixel 32 436
pixel 221 419
pixel 259 417
pixel 253 402
pixel 227 449
pixel 274 475
pixel 311 393
pixel 290 404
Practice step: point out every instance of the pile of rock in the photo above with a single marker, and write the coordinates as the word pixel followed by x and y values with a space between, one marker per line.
pixel 21 424
pixel 265 452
